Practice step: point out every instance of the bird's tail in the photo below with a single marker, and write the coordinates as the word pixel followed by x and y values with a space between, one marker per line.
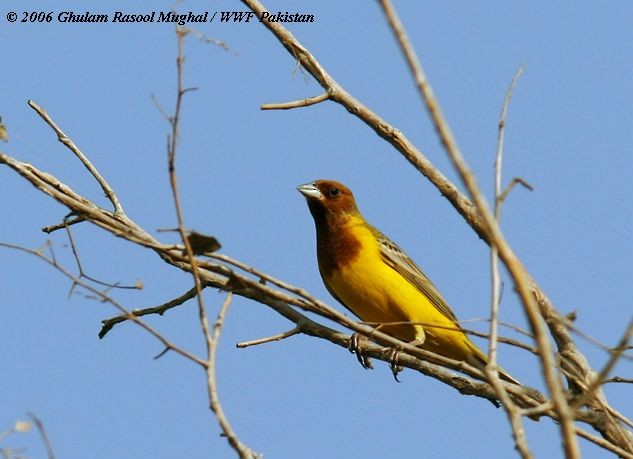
pixel 479 360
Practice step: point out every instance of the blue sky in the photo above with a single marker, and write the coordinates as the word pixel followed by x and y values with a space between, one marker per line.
pixel 569 134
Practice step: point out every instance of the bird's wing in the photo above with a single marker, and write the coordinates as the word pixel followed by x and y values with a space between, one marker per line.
pixel 395 257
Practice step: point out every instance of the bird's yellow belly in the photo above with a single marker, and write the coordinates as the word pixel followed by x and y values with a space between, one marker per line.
pixel 380 296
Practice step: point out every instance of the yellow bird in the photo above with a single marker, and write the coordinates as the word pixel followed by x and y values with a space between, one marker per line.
pixel 372 277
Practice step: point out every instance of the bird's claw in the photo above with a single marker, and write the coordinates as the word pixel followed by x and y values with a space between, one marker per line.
pixel 393 362
pixel 354 348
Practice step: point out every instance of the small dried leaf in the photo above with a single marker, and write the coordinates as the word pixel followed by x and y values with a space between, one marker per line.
pixel 201 243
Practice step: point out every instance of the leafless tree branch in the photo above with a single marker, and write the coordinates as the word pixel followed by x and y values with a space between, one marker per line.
pixel 297 103
pixel 512 411
pixel 64 139
pixel 242 450
pixel 269 339
pixel 108 324
pixel 42 431
pixel 211 337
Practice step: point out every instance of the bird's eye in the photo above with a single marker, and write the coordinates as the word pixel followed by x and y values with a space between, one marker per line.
pixel 332 192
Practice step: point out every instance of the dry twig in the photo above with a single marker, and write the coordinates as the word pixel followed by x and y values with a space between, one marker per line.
pixel 211 338
pixel 492 370
pixel 42 431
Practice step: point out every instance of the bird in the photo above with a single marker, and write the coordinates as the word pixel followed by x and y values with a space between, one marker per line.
pixel 378 282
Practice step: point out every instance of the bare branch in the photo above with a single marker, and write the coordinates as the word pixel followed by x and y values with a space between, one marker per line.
pixel 211 338
pixel 243 451
pixel 599 379
pixel 269 339
pixel 590 339
pixel 618 379
pixel 603 443
pixel 68 143
pixel 107 324
pixel 492 370
pixel 515 181
pixel 137 286
pixel 297 103
pixel 65 224
pixel 42 431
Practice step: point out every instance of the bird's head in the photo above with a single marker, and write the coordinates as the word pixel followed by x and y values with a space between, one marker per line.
pixel 327 198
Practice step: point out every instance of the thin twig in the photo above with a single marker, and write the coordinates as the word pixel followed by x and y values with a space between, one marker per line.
pixel 599 379
pixel 492 370
pixel 591 340
pixel 514 182
pixel 172 141
pixel 82 273
pixel 620 416
pixel 211 338
pixel 494 258
pixel 108 324
pixel 67 141
pixel 42 431
pixel 269 339
pixel 618 379
pixel 213 341
pixel 296 103
pixel 65 224
pixel 603 443
pixel 160 108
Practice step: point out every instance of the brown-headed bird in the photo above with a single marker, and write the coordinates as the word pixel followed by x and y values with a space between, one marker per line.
pixel 372 277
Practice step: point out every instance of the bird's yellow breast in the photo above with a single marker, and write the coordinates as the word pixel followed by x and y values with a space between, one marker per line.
pixel 377 293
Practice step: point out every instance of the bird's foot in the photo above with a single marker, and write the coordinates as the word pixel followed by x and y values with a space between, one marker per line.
pixel 354 348
pixel 392 358
pixel 393 352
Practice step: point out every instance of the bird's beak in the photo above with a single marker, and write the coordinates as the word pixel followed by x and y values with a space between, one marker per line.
pixel 310 191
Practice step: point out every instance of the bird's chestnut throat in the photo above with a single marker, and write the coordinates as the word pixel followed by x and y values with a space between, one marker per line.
pixel 342 246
